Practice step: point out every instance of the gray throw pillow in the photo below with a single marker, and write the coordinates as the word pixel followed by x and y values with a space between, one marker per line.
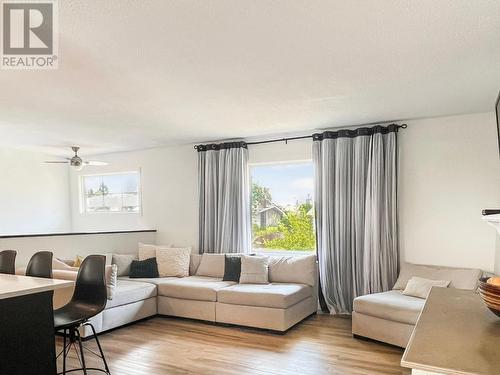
pixel 123 262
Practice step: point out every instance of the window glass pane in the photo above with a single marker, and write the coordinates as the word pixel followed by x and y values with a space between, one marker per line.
pixel 130 184
pixel 282 207
pixel 111 193
pixel 94 203
pixel 92 184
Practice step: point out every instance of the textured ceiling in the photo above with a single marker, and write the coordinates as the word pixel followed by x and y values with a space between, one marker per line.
pixel 139 74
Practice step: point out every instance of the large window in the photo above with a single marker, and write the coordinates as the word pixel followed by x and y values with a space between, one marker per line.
pixel 114 192
pixel 282 206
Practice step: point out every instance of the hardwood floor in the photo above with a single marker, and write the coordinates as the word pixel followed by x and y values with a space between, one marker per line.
pixel 320 345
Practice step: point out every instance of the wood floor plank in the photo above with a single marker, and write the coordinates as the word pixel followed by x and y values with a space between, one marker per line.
pixel 322 344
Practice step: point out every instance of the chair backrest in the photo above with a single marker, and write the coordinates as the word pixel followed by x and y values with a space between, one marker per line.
pixel 40 265
pixel 8 261
pixel 90 286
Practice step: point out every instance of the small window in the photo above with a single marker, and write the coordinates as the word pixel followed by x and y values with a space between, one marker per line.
pixel 282 207
pixel 114 192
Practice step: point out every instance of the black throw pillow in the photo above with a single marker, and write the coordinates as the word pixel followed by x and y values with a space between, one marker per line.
pixel 232 268
pixel 144 268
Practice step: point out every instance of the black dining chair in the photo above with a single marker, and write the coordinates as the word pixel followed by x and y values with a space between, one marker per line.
pixel 89 299
pixel 40 265
pixel 8 261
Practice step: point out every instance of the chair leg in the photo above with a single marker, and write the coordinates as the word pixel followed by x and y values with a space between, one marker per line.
pixel 64 352
pixel 100 348
pixel 84 367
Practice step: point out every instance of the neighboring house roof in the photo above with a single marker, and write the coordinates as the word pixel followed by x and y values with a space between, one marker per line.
pixel 273 207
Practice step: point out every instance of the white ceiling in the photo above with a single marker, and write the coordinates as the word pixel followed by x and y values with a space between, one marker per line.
pixel 139 74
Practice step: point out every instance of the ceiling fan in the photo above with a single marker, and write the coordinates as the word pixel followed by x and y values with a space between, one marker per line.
pixel 76 162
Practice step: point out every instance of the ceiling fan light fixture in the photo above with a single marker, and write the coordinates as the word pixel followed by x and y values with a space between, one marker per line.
pixel 77 167
pixel 76 162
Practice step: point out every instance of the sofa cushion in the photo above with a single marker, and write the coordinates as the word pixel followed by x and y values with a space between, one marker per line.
pixel 211 265
pixel 193 287
pixel 173 261
pixel 254 269
pixel 110 273
pixel 147 251
pixel 280 296
pixel 194 263
pixel 391 305
pixel 151 280
pixel 461 278
pixel 131 291
pixel 123 262
pixel 293 269
pixel 58 264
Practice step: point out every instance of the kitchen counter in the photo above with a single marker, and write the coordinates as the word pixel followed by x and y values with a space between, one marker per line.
pixel 27 344
pixel 455 334
pixel 15 286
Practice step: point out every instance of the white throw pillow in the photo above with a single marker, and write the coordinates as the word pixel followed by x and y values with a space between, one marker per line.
pixel 173 261
pixel 211 265
pixel 147 251
pixel 420 287
pixel 111 272
pixel 254 270
pixel 299 269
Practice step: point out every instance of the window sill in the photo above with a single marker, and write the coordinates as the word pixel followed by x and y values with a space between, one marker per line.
pixel 283 252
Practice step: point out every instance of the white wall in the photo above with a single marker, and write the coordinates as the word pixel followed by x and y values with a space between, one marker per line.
pixel 169 184
pixel 34 196
pixel 450 171
pixel 169 195
pixel 67 247
pixel 298 150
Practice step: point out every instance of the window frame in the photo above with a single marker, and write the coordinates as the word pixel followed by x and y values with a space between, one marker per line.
pixel 270 252
pixel 83 204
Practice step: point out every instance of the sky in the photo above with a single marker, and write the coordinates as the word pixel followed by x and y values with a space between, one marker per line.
pixel 287 182
pixel 116 183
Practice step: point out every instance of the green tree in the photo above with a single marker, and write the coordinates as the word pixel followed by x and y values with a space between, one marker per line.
pixel 297 230
pixel 103 189
pixel 261 196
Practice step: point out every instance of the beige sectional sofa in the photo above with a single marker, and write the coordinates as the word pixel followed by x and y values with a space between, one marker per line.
pixel 290 297
pixel 391 316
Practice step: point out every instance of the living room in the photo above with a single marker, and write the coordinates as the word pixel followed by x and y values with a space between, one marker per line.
pixel 250 187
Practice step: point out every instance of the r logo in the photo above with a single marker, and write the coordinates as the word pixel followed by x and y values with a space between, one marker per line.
pixel 28 29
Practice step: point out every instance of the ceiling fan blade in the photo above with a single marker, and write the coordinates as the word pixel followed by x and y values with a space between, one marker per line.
pixel 56 162
pixel 95 163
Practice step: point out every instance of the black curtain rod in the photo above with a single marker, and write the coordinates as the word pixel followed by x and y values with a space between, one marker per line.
pixel 279 140
pixel 402 126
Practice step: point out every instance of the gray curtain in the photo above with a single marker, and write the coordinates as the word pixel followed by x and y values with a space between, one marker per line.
pixel 224 198
pixel 356 213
